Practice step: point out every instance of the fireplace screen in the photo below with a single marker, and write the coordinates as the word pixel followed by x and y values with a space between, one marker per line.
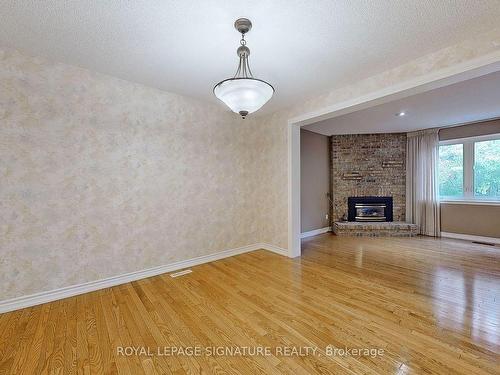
pixel 370 212
pixel 369 208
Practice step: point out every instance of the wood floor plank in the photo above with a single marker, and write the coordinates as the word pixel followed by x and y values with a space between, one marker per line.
pixel 70 339
pixel 43 361
pixel 112 329
pixel 432 305
pixel 82 345
pixel 56 363
pixel 95 349
pixel 7 327
pixel 15 341
pixel 116 315
pixel 27 361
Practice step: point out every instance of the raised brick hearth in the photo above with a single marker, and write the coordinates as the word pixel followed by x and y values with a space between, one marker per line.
pixel 374 229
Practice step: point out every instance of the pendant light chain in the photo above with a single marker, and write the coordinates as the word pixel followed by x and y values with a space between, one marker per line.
pixel 243 70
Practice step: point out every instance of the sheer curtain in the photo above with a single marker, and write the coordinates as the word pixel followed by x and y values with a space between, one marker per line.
pixel 422 201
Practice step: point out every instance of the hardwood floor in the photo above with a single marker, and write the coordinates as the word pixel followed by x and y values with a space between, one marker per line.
pixel 432 306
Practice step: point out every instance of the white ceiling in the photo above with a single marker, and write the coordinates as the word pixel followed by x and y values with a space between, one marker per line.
pixel 302 48
pixel 472 100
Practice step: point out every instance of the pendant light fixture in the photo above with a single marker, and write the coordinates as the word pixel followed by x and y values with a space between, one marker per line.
pixel 243 93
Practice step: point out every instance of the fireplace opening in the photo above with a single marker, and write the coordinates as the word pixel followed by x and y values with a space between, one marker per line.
pixel 370 212
pixel 369 208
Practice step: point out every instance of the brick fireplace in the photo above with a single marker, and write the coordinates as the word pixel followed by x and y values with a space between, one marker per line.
pixel 368 165
pixel 368 176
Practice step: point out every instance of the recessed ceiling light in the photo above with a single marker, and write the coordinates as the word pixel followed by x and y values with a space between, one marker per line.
pixel 401 114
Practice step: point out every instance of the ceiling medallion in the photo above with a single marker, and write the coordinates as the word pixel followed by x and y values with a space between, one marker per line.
pixel 243 93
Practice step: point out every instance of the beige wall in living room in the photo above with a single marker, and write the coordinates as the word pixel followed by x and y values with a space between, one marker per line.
pixel 471 219
pixel 101 177
pixel 314 180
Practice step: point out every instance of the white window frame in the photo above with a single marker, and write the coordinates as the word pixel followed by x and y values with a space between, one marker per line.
pixel 468 169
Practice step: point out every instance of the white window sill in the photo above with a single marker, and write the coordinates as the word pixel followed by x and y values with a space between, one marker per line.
pixel 477 202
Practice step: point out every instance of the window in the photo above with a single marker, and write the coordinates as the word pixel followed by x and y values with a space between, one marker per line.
pixel 451 170
pixel 469 169
pixel 487 169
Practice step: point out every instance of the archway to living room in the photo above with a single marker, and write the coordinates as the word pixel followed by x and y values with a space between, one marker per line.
pixel 458 97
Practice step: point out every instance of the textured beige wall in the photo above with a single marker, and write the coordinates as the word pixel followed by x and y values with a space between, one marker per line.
pixel 274 127
pixel 476 220
pixel 100 177
pixel 314 180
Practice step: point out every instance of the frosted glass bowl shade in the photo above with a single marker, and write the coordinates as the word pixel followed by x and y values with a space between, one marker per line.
pixel 244 95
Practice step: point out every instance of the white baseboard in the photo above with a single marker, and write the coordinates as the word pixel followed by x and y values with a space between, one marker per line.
pixel 468 237
pixel 274 249
pixel 315 232
pixel 73 290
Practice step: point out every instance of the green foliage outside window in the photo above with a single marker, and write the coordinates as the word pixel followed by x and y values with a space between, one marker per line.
pixel 451 170
pixel 487 169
